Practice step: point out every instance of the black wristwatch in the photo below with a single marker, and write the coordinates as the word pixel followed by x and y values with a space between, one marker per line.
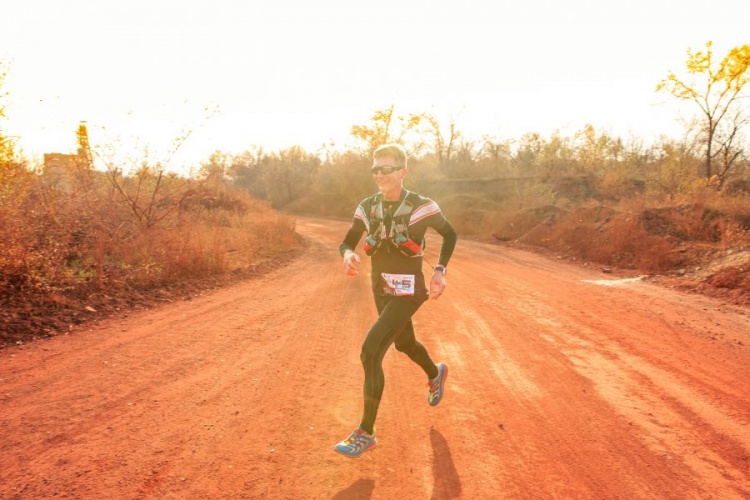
pixel 442 269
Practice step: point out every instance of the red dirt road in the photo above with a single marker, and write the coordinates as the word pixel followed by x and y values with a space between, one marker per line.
pixel 558 388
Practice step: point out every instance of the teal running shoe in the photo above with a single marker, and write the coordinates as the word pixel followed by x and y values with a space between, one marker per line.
pixel 437 385
pixel 357 443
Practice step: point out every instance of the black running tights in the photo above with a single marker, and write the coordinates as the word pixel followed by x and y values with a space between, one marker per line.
pixel 393 325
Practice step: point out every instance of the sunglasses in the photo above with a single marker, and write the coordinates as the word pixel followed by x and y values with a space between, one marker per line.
pixel 384 170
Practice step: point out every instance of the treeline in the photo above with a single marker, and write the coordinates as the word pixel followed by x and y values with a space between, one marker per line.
pixel 712 153
pixel 590 164
pixel 589 195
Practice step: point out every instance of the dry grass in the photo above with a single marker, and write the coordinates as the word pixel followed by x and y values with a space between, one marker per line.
pixel 70 251
pixel 627 243
pixel 649 234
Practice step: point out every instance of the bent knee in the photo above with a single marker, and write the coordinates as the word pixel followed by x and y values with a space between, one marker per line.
pixel 406 347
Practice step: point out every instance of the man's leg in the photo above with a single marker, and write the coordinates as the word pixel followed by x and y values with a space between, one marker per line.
pixel 407 343
pixel 394 314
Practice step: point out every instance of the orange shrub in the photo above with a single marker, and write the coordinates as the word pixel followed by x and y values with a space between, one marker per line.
pixel 77 248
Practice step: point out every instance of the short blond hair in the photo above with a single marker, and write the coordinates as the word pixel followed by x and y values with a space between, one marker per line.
pixel 395 151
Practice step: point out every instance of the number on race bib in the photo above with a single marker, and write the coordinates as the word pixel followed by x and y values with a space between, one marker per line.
pixel 398 284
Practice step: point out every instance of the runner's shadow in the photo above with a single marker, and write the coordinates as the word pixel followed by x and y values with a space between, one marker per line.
pixel 360 489
pixel 446 483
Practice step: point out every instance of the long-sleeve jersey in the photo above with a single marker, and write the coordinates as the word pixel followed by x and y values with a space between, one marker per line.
pixel 388 258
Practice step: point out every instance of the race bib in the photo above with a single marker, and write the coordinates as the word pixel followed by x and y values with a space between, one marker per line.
pixel 398 284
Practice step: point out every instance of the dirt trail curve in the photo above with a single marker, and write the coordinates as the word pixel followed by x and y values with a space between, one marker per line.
pixel 559 388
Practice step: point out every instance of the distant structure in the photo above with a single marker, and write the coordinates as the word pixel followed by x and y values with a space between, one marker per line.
pixel 60 169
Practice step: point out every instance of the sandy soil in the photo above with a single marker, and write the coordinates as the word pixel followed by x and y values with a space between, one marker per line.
pixel 561 386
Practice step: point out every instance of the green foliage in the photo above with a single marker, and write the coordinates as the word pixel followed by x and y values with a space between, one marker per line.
pixel 590 164
pixel 288 174
pixel 342 181
pixel 281 177
pixel 495 157
pixel 594 151
pixel 246 172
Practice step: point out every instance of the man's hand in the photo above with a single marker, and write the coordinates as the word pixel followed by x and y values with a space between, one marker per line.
pixel 351 260
pixel 437 284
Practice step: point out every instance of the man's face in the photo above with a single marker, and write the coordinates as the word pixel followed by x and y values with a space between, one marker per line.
pixel 388 182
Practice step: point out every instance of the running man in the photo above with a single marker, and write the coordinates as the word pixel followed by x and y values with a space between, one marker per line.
pixel 395 221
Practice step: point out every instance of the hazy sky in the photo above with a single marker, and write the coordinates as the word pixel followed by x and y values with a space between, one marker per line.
pixel 303 72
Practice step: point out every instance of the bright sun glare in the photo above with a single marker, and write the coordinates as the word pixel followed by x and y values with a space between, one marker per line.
pixel 243 73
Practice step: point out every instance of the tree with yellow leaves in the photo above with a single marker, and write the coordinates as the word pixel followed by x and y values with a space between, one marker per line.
pixel 6 146
pixel 384 126
pixel 718 88
pixel 12 167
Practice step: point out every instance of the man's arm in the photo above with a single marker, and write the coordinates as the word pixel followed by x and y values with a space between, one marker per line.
pixel 351 240
pixel 346 249
pixel 450 237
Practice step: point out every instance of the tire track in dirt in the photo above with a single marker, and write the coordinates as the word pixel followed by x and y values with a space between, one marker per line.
pixel 605 360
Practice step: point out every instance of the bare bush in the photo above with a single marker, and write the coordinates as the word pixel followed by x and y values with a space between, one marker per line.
pixel 74 250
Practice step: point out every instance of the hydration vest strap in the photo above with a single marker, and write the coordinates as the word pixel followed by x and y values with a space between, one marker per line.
pixel 410 248
pixel 398 234
pixel 373 240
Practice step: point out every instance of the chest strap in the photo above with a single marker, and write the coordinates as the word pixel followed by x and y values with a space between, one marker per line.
pixel 397 233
